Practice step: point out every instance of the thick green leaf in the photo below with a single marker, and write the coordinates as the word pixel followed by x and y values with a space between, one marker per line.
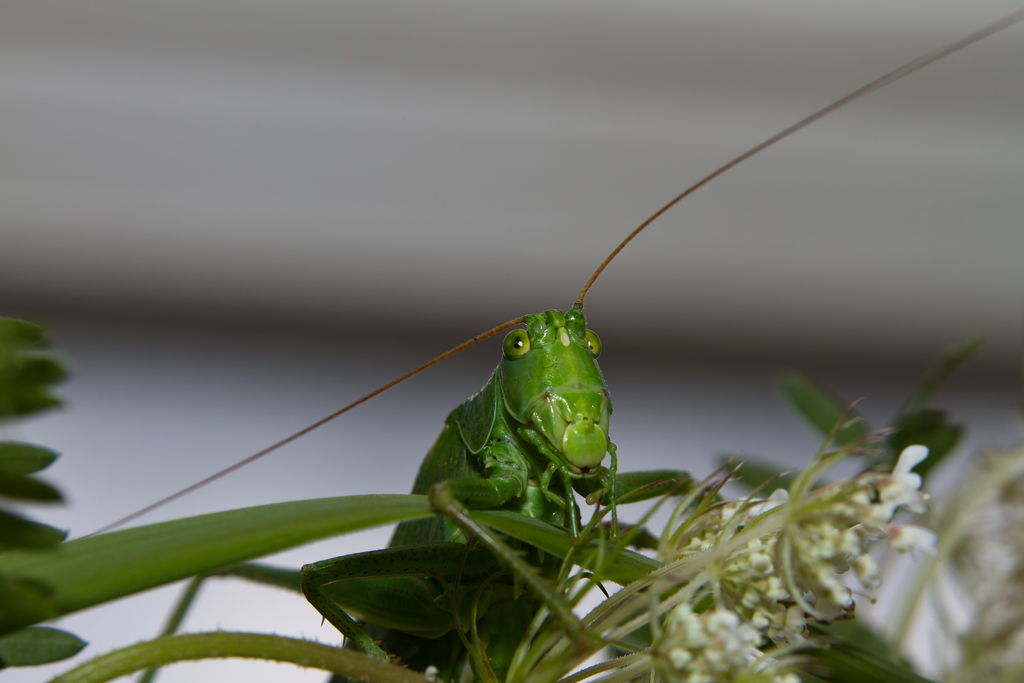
pixel 26 488
pixel 38 645
pixel 23 458
pixel 23 602
pixel 18 532
pixel 937 375
pixel 626 568
pixel 928 427
pixel 92 570
pixel 821 407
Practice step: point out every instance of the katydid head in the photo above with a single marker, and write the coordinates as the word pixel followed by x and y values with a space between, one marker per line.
pixel 552 383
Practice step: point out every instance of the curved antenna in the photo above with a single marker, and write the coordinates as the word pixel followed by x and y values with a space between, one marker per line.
pixel 302 432
pixel 885 80
pixel 894 75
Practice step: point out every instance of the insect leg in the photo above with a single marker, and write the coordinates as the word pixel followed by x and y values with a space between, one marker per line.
pixel 556 462
pixel 389 588
pixel 633 487
pixel 545 483
pixel 453 498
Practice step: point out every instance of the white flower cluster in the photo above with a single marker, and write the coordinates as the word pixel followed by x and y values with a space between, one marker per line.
pixel 716 646
pixel 746 581
pixel 984 527
pixel 826 533
pixel 770 566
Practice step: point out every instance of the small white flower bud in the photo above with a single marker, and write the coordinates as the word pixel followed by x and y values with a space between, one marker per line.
pixel 679 657
pixel 911 457
pixel 912 538
pixel 867 571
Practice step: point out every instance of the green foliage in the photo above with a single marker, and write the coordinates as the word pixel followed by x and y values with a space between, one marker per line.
pixel 843 662
pixel 929 385
pixel 28 371
pixel 822 408
pixel 23 602
pixel 38 645
pixel 92 570
pixel 18 532
pixel 755 472
pixel 927 427
pixel 915 422
pixel 23 459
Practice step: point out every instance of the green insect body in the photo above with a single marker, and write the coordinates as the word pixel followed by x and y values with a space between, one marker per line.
pixel 539 424
pixel 545 406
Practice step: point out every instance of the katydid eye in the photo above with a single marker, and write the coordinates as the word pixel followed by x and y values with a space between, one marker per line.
pixel 593 343
pixel 516 344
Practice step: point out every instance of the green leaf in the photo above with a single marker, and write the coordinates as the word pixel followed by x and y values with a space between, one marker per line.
pixel 41 367
pixel 18 532
pixel 23 458
pixel 937 375
pixel 38 645
pixel 19 334
pixel 92 570
pixel 842 662
pixel 928 427
pixel 821 407
pixel 23 602
pixel 26 488
pixel 854 631
pixel 25 373
pixel 754 472
pixel 27 384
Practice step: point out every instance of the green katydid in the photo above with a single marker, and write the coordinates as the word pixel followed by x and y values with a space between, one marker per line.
pixel 540 421
pixel 566 510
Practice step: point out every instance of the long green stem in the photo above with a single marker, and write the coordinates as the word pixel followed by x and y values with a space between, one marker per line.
pixel 223 644
pixel 188 596
pixel 617 663
pixel 953 526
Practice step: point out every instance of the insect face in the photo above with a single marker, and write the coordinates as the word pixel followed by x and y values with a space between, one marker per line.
pixel 553 385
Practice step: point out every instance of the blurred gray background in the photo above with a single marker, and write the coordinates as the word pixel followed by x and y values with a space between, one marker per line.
pixel 238 216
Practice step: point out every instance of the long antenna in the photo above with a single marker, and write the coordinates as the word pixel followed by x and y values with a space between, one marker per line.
pixel 302 432
pixel 894 75
pixel 885 80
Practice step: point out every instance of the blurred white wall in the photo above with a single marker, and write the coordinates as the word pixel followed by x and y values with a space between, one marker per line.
pixel 240 215
pixel 439 161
